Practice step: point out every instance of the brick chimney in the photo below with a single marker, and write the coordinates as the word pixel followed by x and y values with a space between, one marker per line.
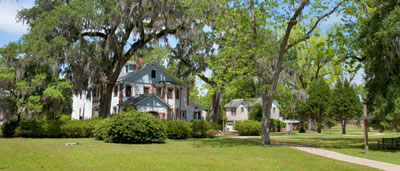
pixel 139 62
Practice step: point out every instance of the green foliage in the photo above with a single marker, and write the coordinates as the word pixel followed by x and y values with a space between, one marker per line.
pixel 8 128
pixel 318 101
pixel 371 37
pixel 256 113
pixel 177 129
pixel 199 128
pixel 31 129
pixel 345 103
pixel 276 125
pixel 79 128
pixel 248 127
pixel 211 133
pixel 302 130
pixel 131 127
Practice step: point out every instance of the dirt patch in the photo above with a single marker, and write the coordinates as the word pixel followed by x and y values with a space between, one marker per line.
pixel 252 159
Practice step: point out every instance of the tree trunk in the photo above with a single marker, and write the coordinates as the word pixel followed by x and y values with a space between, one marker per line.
pixel 214 111
pixel 105 101
pixel 343 123
pixel 319 123
pixel 267 103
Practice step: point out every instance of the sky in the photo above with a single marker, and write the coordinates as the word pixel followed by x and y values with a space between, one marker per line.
pixel 11 30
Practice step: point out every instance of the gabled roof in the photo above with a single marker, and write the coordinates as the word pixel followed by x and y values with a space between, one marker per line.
pixel 140 98
pixel 147 64
pixel 237 102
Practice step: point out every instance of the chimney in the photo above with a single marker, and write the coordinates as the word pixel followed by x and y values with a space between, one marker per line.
pixel 139 62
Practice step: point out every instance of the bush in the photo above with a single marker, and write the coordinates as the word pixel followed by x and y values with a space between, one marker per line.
pixel 177 129
pixel 211 133
pixel 52 128
pixel 79 128
pixel 276 125
pixel 8 128
pixel 302 130
pixel 199 129
pixel 248 127
pixel 30 129
pixel 131 127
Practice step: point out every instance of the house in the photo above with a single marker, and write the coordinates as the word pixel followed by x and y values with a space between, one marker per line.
pixel 239 109
pixel 146 87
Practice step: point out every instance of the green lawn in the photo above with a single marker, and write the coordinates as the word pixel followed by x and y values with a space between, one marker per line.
pixel 191 154
pixel 352 143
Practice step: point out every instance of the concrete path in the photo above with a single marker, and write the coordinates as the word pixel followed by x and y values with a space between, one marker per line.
pixel 332 155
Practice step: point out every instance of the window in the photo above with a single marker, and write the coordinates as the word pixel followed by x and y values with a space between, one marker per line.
pixel 273 110
pixel 169 95
pixel 233 111
pixel 241 109
pixel 128 90
pixel 250 109
pixel 183 114
pixel 80 96
pixel 158 91
pixel 153 73
pixel 126 69
pixel 116 91
pixel 177 94
pixel 197 115
pixel 146 90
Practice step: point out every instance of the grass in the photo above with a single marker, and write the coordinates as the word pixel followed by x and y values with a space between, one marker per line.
pixel 352 143
pixel 191 154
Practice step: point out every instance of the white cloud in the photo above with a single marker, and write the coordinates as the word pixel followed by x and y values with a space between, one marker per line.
pixel 8 13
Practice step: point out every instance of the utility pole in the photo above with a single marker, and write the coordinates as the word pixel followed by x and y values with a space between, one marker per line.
pixel 366 118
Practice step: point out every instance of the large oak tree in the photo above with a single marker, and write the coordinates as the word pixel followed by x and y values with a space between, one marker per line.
pixel 92 40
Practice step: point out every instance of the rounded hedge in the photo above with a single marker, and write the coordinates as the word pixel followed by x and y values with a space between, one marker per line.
pixel 177 129
pixel 200 128
pixel 211 133
pixel 248 127
pixel 131 127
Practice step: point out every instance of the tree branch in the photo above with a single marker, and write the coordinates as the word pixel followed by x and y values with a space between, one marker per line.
pixel 143 41
pixel 94 34
pixel 307 35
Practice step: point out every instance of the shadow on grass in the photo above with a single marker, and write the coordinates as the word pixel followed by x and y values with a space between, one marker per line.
pixel 224 142
pixel 338 143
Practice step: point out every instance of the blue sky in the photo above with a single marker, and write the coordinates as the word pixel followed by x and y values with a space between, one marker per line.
pixel 11 30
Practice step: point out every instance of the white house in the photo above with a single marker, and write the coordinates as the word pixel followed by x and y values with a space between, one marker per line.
pixel 145 87
pixel 239 109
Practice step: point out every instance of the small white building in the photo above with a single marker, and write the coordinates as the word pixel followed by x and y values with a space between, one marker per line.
pixel 239 110
pixel 145 87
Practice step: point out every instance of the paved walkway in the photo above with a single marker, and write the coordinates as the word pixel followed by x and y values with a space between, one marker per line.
pixel 333 155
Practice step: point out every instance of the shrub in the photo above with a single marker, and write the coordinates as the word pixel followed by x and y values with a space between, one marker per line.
pixel 276 125
pixel 79 128
pixel 248 127
pixel 8 128
pixel 177 129
pixel 131 127
pixel 65 118
pixel 199 129
pixel 302 130
pixel 100 129
pixel 51 128
pixel 31 129
pixel 211 133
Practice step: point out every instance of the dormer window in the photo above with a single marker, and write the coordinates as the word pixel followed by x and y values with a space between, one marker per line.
pixel 153 73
